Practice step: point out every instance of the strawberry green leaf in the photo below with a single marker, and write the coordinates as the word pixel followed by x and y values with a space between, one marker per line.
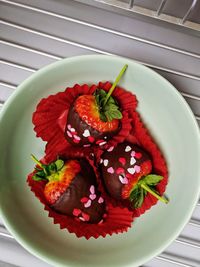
pixel 152 179
pixel 59 164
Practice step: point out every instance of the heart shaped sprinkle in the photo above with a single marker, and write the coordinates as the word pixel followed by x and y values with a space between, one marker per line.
pixel 69 126
pixel 88 203
pixel 102 143
pixel 69 134
pixel 110 149
pixel 76 137
pixel 86 133
pixel 127 149
pixel 92 189
pixel 110 170
pixel 122 161
pixel 92 196
pixel 87 145
pixel 76 212
pixel 72 130
pixel 76 141
pixel 137 168
pixel 86 217
pixel 91 139
pixel 105 162
pixel 119 170
pixel 101 160
pixel 131 170
pixel 84 199
pixel 133 154
pixel 123 180
pixel 100 200
pixel 138 155
pixel 132 161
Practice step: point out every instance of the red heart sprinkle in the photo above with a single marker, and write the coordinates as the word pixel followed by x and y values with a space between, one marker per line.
pixel 119 170
pixel 122 161
pixel 91 139
pixel 86 217
pixel 76 212
pixel 84 199
pixel 138 155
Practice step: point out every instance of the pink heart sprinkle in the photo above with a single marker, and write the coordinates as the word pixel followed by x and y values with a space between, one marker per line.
pixel 137 168
pixel 81 219
pixel 91 139
pixel 88 203
pixel 110 149
pixel 133 154
pixel 123 180
pixel 122 161
pixel 86 217
pixel 119 170
pixel 69 134
pixel 92 189
pixel 92 196
pixel 76 212
pixel 110 170
pixel 76 137
pixel 87 145
pixel 100 200
pixel 69 126
pixel 84 199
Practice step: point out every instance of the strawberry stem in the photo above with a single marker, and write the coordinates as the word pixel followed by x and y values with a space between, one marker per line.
pixel 38 163
pixel 115 83
pixel 148 189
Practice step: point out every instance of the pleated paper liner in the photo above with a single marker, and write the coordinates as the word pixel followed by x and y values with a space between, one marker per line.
pixel 141 136
pixel 50 116
pixel 118 219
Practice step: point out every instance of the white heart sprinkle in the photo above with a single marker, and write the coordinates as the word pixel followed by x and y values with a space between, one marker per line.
pixel 102 143
pixel 73 130
pixel 132 161
pixel 127 149
pixel 101 160
pixel 105 162
pixel 86 133
pixel 123 180
pixel 131 170
pixel 110 149
pixel 88 203
pixel 87 145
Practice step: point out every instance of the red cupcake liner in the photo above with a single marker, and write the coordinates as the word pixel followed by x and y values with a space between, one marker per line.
pixel 50 116
pixel 141 136
pixel 118 219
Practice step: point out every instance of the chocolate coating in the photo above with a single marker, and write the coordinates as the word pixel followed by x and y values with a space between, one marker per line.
pixel 82 130
pixel 120 163
pixel 78 189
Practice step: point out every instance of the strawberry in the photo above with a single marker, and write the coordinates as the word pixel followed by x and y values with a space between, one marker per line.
pixel 126 171
pixel 94 119
pixel 71 189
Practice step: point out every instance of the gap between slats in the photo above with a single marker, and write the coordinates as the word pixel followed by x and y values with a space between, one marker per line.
pixel 136 38
pixel 93 49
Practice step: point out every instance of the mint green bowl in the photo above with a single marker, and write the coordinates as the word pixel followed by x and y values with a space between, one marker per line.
pixel 173 126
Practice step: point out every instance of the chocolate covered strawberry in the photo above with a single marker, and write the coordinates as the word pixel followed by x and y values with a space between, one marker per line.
pixel 127 174
pixel 94 119
pixel 71 189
